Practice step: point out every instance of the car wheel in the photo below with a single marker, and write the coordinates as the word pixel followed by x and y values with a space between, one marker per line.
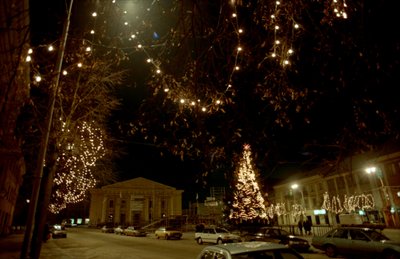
pixel 330 251
pixel 166 237
pixel 391 255
pixel 199 241
pixel 219 241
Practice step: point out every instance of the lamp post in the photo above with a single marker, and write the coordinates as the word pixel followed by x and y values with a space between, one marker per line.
pixel 296 186
pixel 386 198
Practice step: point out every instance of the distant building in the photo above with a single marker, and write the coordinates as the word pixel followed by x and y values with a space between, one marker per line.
pixel 348 179
pixel 138 201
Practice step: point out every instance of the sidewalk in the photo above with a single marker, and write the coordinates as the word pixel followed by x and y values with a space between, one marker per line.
pixel 10 246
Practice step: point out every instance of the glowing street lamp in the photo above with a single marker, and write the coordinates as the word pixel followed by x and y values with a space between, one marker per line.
pixel 374 170
pixel 296 186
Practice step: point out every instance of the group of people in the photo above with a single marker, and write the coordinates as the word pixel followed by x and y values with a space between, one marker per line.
pixel 306 225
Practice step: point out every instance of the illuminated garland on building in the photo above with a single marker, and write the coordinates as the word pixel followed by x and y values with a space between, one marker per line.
pixel 350 204
pixel 248 203
pixel 279 209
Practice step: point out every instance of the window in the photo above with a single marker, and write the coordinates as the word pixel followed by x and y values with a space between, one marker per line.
pixel 341 233
pixel 340 182
pixel 111 204
pixel 123 204
pixel 350 181
pixel 212 255
pixel 358 235
pixel 208 255
pixel 331 186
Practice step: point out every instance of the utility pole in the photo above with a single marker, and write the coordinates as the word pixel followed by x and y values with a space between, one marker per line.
pixel 38 175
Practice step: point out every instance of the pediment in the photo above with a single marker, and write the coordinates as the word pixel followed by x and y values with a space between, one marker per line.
pixel 138 183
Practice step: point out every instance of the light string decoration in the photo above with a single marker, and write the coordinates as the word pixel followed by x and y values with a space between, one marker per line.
pixel 281 19
pixel 278 209
pixel 86 92
pixel 248 203
pixel 74 175
pixel 174 80
pixel 348 204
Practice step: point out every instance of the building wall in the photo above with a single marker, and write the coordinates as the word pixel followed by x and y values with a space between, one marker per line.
pixel 14 91
pixel 138 202
pixel 347 180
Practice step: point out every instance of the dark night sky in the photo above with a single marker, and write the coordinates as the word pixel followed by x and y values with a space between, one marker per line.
pixel 138 158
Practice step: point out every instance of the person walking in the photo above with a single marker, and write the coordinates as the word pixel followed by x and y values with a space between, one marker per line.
pixel 307 227
pixel 300 225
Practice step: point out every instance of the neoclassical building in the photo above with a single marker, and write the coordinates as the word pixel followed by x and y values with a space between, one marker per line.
pixel 138 201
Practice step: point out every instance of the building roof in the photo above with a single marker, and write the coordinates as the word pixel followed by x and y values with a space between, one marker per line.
pixel 138 183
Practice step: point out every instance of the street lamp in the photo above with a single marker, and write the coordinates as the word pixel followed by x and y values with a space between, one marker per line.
pixel 374 170
pixel 296 186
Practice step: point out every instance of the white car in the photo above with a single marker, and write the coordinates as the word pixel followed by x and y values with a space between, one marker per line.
pixel 168 233
pixel 253 249
pixel 215 235
pixel 119 230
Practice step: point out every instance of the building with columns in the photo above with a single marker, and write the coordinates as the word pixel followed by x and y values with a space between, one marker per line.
pixel 138 201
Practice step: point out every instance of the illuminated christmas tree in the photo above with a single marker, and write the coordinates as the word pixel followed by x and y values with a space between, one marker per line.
pixel 248 202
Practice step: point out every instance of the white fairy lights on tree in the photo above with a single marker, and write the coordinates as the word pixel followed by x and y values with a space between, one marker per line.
pixel 74 174
pixel 248 203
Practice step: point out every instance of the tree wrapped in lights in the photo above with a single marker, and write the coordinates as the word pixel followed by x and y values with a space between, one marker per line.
pixel 78 139
pixel 76 161
pixel 248 202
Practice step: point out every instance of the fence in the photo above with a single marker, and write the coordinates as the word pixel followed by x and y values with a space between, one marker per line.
pixel 317 230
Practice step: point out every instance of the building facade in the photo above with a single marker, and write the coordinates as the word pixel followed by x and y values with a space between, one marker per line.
pixel 138 201
pixel 14 92
pixel 365 185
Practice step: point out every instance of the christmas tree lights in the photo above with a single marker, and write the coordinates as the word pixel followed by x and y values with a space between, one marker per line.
pixel 248 203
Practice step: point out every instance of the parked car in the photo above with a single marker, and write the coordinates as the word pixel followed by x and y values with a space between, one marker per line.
pixel 168 233
pixel 119 230
pixel 58 231
pixel 135 231
pixel 280 236
pixel 357 241
pixel 215 235
pixel 265 250
pixel 107 229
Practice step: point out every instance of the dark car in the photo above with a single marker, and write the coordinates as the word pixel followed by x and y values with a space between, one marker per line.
pixel 280 236
pixel 264 250
pixel 357 241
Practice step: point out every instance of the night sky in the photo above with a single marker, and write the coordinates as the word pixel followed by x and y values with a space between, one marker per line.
pixel 335 77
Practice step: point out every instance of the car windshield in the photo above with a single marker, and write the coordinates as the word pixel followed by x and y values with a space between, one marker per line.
pixel 375 235
pixel 284 232
pixel 221 230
